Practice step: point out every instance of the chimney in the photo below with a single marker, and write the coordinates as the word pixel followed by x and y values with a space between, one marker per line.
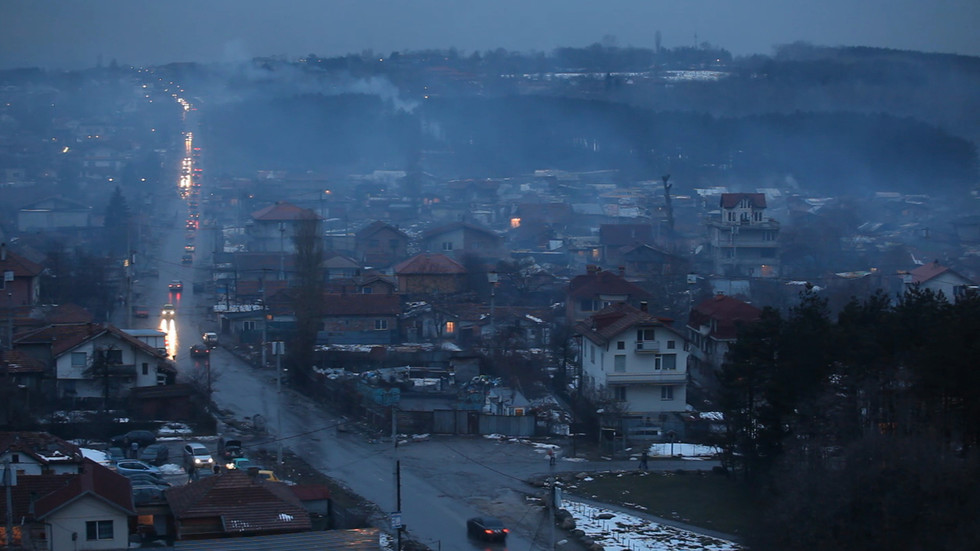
pixel 643 306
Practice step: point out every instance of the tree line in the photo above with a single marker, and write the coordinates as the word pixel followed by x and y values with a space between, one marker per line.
pixel 859 432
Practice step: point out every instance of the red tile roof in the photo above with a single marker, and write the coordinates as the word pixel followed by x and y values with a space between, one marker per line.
pixel 64 338
pixel 928 271
pixel 603 282
pixel 613 320
pixel 730 200
pixel 20 266
pixel 242 502
pixel 15 361
pixel 727 312
pixel 429 263
pixel 42 446
pixel 284 211
pixel 94 480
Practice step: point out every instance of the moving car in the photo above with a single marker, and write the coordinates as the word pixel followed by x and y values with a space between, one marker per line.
pixel 176 286
pixel 486 528
pixel 168 311
pixel 187 259
pixel 140 311
pixel 210 339
pixel 200 351
pixel 197 456
pixel 128 467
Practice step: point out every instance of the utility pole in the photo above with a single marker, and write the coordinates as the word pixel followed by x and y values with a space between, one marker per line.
pixel 278 350
pixel 493 278
pixel 554 501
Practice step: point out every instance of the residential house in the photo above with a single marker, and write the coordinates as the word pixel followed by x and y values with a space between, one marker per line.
pixel 272 228
pixel 88 509
pixel 37 453
pixel 615 237
pixel 235 503
pixel 360 319
pixel 340 267
pixel 54 213
pixel 651 262
pixel 429 322
pixel 461 238
pixel 430 274
pixel 743 241
pixel 20 385
pixel 83 360
pixel 939 279
pixel 597 289
pixel 379 244
pixel 20 281
pixel 712 328
pixel 637 361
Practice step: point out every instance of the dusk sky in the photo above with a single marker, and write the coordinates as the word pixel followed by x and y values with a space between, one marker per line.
pixel 69 34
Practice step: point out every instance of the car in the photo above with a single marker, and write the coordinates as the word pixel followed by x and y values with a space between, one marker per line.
pixel 210 339
pixel 155 454
pixel 134 466
pixel 147 478
pixel 176 286
pixel 268 475
pixel 189 248
pixel 197 456
pixel 141 311
pixel 242 463
pixel 187 259
pixel 200 351
pixel 230 449
pixel 486 528
pixel 142 437
pixel 115 454
pixel 168 311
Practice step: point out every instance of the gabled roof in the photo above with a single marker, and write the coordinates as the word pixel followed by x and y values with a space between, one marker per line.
pixel 601 282
pixel 613 320
pixel 727 312
pixel 931 270
pixel 374 227
pixel 45 448
pixel 94 480
pixel 456 226
pixel 429 263
pixel 20 266
pixel 243 503
pixel 361 305
pixel 15 361
pixel 730 200
pixel 282 211
pixel 66 337
pixel 27 491
pixel 69 313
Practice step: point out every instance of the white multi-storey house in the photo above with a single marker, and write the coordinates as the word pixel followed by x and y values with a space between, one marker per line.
pixel 636 360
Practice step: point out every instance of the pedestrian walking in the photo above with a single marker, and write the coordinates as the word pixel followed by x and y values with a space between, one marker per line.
pixel 643 460
pixel 551 457
pixel 191 472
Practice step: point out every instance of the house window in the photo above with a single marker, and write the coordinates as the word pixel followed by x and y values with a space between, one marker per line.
pixel 15 458
pixel 666 393
pixel 380 325
pixel 757 215
pixel 646 334
pixel 98 530
pixel 248 326
pixel 588 305
pixel 620 393
pixel 113 356
pixel 447 245
pixel 621 345
pixel 731 216
pixel 146 368
pixel 367 290
pixel 79 359
pixel 671 345
pixel 450 327
pixel 666 362
pixel 619 363
pixel 769 236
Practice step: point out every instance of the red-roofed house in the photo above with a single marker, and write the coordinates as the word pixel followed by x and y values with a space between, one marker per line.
pixel 272 228
pixel 743 242
pixel 596 289
pixel 939 279
pixel 634 358
pixel 36 453
pixel 712 329
pixel 234 503
pixel 20 279
pixel 70 353
pixel 90 509
pixel 430 274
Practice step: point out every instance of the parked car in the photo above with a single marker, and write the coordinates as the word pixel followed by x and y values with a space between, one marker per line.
pixel 200 351
pixel 242 463
pixel 229 449
pixel 176 286
pixel 142 437
pixel 141 311
pixel 155 454
pixel 268 475
pixel 135 466
pixel 168 311
pixel 486 528
pixel 115 454
pixel 147 478
pixel 196 455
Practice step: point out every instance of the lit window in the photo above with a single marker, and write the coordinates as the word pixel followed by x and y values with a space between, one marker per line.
pixel 515 223
pixel 450 327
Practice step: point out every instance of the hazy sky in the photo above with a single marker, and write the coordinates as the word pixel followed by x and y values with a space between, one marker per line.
pixel 73 33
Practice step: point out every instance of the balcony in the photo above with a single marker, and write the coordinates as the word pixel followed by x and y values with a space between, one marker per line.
pixel 669 376
pixel 647 347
